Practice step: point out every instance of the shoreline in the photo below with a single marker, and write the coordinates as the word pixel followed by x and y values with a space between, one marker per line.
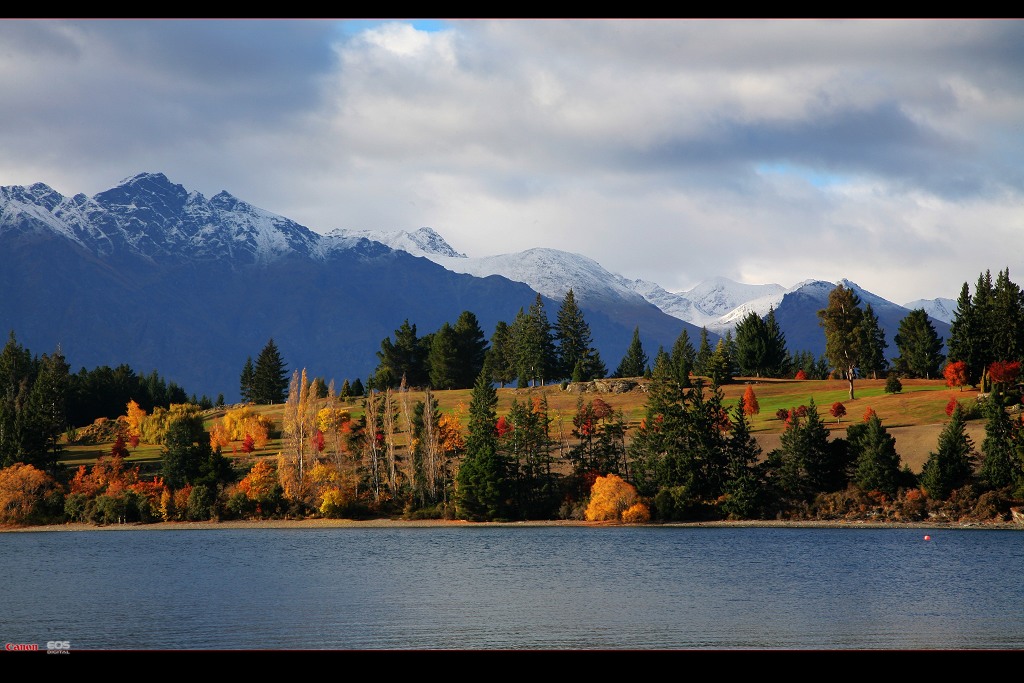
pixel 389 523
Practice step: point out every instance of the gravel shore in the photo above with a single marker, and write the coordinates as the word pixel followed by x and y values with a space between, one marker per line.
pixel 439 523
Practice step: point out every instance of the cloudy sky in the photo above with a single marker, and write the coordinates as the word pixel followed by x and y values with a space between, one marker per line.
pixel 890 153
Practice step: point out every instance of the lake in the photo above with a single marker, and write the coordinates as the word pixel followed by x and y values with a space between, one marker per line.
pixel 529 588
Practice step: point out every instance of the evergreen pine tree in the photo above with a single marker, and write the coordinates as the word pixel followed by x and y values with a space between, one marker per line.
pixel 752 346
pixel 577 357
pixel 17 374
pixel 684 357
pixel 872 350
pixel 983 308
pixel 702 360
pixel 963 331
pixel 742 488
pixel 952 464
pixel 246 383
pixel 444 358
pixel 481 481
pixel 919 346
pixel 634 363
pixel 720 365
pixel 499 362
pixel 534 345
pixel 405 357
pixel 471 350
pixel 776 354
pixel 1007 320
pixel 802 466
pixel 270 377
pixel 44 416
pixel 999 465
pixel 876 462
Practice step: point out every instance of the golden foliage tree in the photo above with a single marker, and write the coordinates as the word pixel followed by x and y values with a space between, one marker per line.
pixel 23 489
pixel 134 416
pixel 637 513
pixel 300 413
pixel 153 427
pixel 259 483
pixel 610 496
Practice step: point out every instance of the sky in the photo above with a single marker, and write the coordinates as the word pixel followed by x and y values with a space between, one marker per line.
pixel 886 152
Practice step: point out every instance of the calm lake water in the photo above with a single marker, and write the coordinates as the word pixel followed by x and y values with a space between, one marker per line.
pixel 561 588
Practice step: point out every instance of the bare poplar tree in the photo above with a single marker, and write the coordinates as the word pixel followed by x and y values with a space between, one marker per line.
pixel 390 428
pixel 371 445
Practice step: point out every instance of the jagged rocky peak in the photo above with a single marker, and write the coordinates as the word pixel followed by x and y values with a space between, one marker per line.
pixel 146 191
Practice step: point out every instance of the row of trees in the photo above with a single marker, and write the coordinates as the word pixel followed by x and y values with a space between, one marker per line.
pixel 988 326
pixel 528 351
pixel 987 331
pixel 40 400
pixel 689 458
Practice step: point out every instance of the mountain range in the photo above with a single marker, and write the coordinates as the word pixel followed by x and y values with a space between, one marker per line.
pixel 157 277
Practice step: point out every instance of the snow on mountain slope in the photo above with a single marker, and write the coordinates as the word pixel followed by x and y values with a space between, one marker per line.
pixel 718 296
pixel 550 272
pixel 718 304
pixel 421 242
pixel 941 308
pixel 150 216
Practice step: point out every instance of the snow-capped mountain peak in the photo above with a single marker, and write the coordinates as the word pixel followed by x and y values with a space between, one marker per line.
pixel 152 217
pixel 421 242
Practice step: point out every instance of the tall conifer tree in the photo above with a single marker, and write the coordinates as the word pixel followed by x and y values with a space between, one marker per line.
pixel 482 488
pixel 578 360
pixel 634 362
pixel 270 376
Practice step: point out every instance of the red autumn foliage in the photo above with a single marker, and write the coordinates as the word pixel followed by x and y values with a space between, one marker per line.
pixel 502 427
pixel 600 409
pixel 800 374
pixel 318 441
pixel 838 410
pixel 955 374
pixel 869 413
pixel 1004 372
pixel 750 405
pixel 249 444
pixel 951 406
pixel 119 449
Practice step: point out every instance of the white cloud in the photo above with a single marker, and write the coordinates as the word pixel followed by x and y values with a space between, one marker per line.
pixel 887 152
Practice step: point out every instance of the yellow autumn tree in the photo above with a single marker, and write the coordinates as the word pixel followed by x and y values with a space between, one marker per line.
pixel 610 496
pixel 152 427
pixel 245 421
pixel 135 415
pixel 299 422
pixel 23 489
